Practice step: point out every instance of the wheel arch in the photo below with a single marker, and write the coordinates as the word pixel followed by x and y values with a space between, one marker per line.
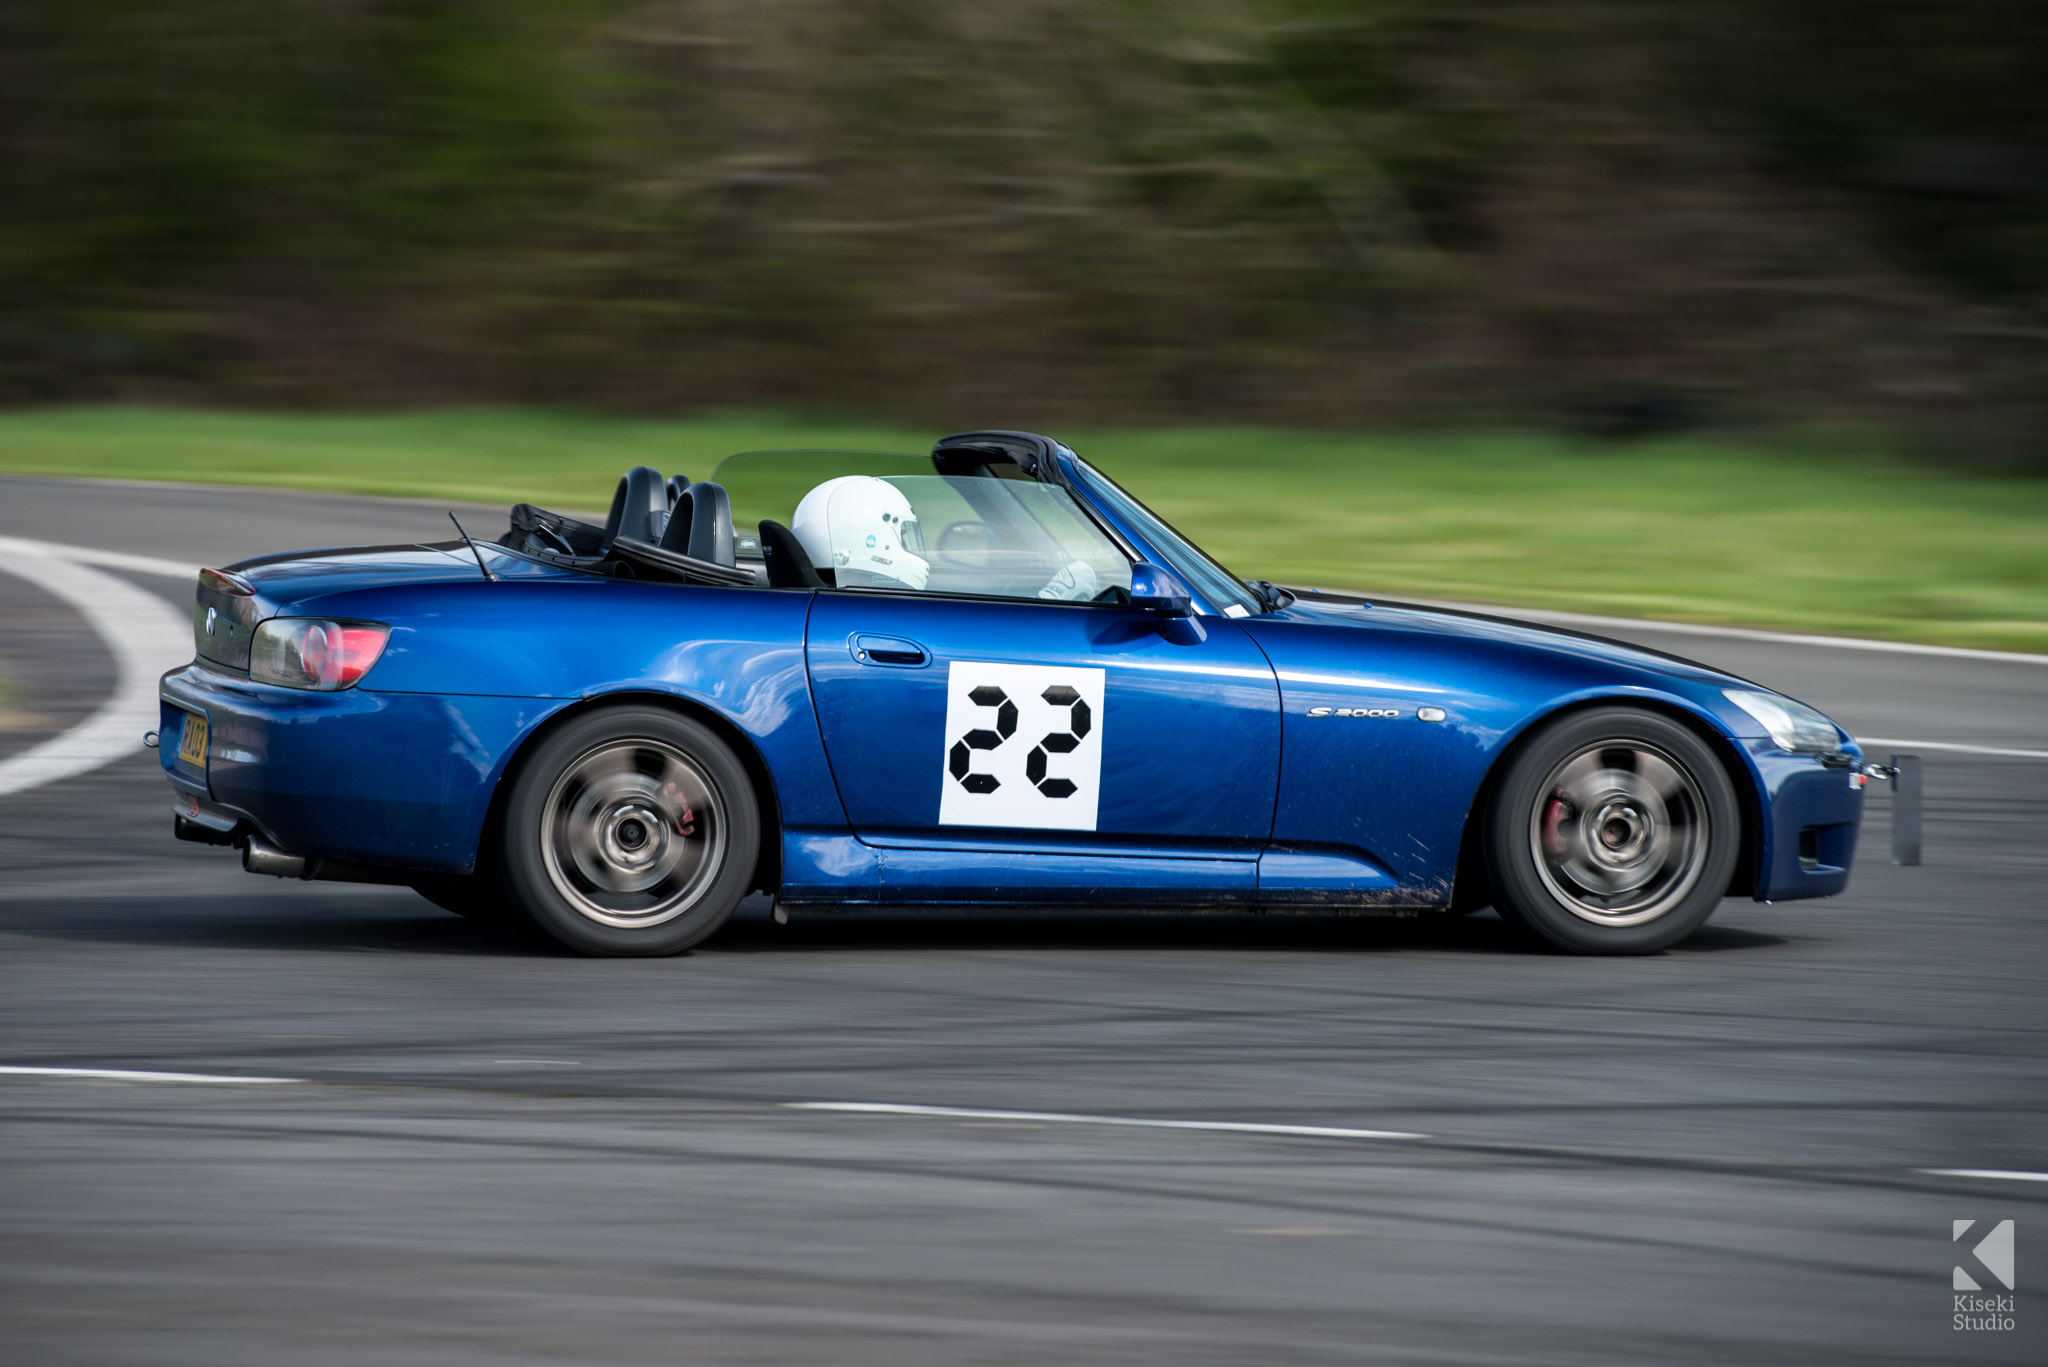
pixel 768 862
pixel 1471 888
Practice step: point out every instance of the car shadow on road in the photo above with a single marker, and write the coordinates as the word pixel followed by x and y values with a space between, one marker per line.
pixel 364 920
pixel 357 921
pixel 1482 933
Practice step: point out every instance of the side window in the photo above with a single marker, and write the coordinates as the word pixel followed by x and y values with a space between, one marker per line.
pixel 994 537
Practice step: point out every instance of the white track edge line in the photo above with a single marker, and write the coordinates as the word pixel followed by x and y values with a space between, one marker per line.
pixel 134 1075
pixel 939 1112
pixel 142 632
pixel 1708 629
pixel 96 741
pixel 173 569
pixel 1955 747
pixel 1069 1118
pixel 93 555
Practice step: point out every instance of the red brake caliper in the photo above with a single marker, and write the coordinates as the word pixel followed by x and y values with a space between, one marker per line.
pixel 1556 812
pixel 686 819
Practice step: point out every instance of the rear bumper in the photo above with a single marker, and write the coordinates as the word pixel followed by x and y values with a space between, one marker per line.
pixel 1813 815
pixel 396 779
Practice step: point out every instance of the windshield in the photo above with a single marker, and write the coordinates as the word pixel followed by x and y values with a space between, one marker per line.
pixel 1005 538
pixel 1219 586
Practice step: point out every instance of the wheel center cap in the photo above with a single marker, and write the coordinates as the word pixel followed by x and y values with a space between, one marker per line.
pixel 632 836
pixel 1621 833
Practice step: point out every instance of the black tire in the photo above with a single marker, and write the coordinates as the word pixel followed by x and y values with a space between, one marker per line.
pixel 478 897
pixel 630 832
pixel 1612 831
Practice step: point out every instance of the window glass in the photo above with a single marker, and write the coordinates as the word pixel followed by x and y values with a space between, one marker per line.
pixel 769 484
pixel 1222 588
pixel 943 534
pixel 886 521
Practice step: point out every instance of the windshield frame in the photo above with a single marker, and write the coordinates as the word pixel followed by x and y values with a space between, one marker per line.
pixel 1214 587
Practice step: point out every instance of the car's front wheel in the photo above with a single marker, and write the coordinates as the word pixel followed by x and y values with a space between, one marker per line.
pixel 630 831
pixel 1612 831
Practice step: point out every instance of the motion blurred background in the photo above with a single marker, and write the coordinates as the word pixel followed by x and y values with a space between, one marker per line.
pixel 1746 294
pixel 1696 310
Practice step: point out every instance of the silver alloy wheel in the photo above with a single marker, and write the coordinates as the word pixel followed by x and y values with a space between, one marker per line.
pixel 632 833
pixel 1619 833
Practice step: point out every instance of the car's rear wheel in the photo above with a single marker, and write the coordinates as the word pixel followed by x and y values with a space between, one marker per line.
pixel 1612 831
pixel 631 831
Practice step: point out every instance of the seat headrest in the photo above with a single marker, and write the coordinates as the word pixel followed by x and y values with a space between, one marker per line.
pixel 636 505
pixel 789 564
pixel 700 525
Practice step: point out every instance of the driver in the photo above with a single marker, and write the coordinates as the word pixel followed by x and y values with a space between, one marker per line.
pixel 862 529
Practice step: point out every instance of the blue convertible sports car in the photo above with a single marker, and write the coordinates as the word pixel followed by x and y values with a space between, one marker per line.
pixel 984 676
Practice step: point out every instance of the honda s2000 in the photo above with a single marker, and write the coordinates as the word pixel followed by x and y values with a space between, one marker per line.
pixel 988 676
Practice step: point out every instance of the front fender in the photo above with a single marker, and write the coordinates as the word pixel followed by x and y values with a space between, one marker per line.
pixel 1381 783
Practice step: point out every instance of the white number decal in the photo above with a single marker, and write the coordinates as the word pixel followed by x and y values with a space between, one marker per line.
pixel 1023 746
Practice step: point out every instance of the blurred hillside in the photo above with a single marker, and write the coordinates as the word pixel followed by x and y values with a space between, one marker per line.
pixel 1619 215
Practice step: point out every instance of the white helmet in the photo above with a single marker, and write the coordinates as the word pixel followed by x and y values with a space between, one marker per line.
pixel 864 530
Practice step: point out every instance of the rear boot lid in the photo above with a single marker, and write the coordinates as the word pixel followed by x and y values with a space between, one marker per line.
pixel 230 602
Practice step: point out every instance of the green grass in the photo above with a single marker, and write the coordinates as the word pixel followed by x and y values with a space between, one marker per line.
pixel 1798 534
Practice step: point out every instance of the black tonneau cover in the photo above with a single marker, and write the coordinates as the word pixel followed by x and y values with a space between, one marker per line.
pixel 564 540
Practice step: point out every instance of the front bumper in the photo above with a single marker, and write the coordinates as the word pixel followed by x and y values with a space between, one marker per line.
pixel 1813 812
pixel 402 780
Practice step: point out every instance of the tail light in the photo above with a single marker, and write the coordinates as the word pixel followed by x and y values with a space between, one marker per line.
pixel 312 652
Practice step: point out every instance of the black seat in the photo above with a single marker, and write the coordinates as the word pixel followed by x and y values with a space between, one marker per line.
pixel 700 524
pixel 789 564
pixel 674 488
pixel 637 505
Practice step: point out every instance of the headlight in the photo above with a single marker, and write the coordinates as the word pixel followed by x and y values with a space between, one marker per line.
pixel 1793 725
pixel 310 652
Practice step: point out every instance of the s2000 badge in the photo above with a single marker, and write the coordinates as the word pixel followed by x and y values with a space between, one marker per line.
pixel 1023 746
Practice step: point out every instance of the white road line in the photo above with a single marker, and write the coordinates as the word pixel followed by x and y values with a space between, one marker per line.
pixel 93 555
pixel 146 637
pixel 135 1075
pixel 1953 747
pixel 173 569
pixel 1129 1122
pixel 149 564
pixel 1582 619
pixel 944 1113
pixel 114 560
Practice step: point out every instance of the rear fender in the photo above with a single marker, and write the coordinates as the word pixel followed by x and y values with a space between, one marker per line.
pixel 768 867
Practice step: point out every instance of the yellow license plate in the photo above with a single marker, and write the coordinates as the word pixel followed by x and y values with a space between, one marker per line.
pixel 192 740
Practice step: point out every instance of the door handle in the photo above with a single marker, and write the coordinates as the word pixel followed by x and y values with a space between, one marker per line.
pixel 894 651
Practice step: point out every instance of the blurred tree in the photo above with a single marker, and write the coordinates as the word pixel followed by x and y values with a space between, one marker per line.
pixel 1333 210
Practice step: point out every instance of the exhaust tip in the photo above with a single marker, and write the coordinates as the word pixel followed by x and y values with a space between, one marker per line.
pixel 260 856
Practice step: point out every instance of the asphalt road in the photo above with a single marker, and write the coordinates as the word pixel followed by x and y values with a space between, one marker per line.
pixel 502 1155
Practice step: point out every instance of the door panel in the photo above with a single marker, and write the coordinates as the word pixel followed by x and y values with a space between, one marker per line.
pixel 1046 726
